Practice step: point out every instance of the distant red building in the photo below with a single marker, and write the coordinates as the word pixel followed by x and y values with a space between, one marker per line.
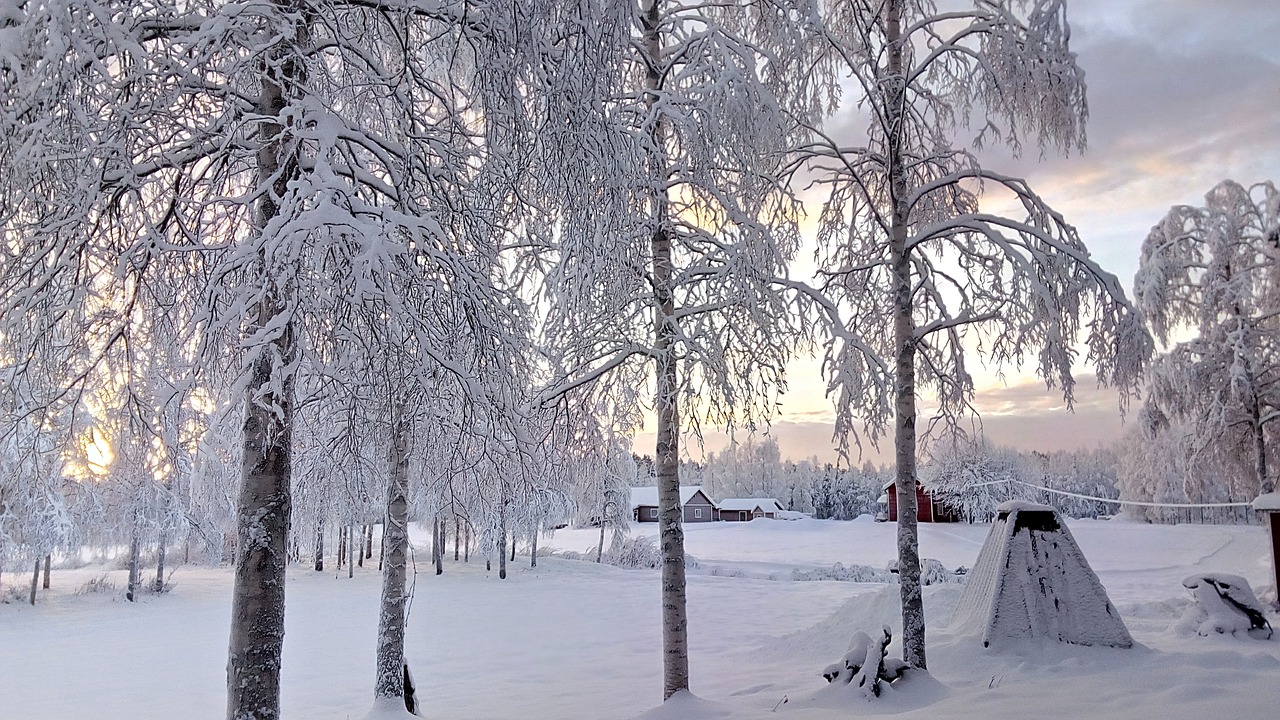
pixel 927 509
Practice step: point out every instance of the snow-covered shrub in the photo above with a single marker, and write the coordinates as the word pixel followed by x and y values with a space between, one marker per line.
pixel 97 586
pixel 852 573
pixel 866 666
pixel 630 552
pixel 932 572
pixel 640 552
pixel 1224 604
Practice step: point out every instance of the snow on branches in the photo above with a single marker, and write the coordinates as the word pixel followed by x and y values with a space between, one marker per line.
pixel 1215 271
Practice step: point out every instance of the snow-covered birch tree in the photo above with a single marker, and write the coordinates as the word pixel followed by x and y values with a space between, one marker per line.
pixel 921 275
pixel 1215 270
pixel 671 223
pixel 288 156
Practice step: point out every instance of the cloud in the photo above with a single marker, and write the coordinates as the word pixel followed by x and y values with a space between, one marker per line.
pixel 1182 94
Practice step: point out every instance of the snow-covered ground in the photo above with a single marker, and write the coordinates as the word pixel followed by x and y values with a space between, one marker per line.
pixel 573 640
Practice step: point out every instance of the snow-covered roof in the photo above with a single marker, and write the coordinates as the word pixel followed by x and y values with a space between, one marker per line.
pixel 891 482
pixel 1269 502
pixel 648 496
pixel 750 504
pixel 1021 506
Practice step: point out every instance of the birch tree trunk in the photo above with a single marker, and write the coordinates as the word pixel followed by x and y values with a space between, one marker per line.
pixel 135 549
pixel 351 552
pixel 342 545
pixel 257 605
pixel 533 549
pixel 435 545
pixel 600 545
pixel 35 581
pixel 905 341
pixel 456 537
pixel 444 536
pixel 320 544
pixel 675 637
pixel 502 540
pixel 389 679
pixel 160 564
pixel 1265 483
pixel 47 561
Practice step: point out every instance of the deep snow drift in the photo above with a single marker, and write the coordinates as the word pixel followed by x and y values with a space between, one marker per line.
pixel 576 640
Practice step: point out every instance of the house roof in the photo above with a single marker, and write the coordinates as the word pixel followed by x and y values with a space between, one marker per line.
pixel 1270 502
pixel 648 496
pixel 891 483
pixel 750 504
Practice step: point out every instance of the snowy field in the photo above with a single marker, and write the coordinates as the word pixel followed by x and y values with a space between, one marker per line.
pixel 575 640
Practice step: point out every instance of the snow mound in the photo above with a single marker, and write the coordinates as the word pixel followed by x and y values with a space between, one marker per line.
pixel 1032 581
pixel 915 689
pixel 684 705
pixel 389 709
pixel 868 609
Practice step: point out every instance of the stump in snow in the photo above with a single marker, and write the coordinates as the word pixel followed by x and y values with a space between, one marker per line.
pixel 1225 604
pixel 865 665
pixel 1032 581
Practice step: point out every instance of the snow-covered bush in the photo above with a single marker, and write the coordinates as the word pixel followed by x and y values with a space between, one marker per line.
pixel 866 666
pixel 1224 604
pixel 851 573
pixel 640 552
pixel 630 552
pixel 932 572
pixel 97 586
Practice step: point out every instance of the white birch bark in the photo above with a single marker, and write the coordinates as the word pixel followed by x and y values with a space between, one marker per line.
pixel 389 679
pixel 904 338
pixel 264 504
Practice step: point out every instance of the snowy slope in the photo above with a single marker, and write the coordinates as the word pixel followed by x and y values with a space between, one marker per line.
pixel 576 641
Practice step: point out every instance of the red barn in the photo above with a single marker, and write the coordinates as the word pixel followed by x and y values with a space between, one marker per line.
pixel 927 509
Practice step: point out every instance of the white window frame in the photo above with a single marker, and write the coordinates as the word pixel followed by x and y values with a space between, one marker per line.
pixel 653 512
pixel 697 513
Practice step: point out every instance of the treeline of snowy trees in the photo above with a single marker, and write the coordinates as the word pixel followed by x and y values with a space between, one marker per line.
pixel 1183 474
pixel 755 468
pixel 975 477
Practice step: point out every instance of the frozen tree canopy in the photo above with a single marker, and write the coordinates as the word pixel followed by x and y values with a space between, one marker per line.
pixel 1215 269
pixel 1032 581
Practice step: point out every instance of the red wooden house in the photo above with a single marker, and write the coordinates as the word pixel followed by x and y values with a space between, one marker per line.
pixel 927 509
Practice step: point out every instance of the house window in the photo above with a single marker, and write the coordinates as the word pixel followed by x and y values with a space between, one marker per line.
pixel 697 513
pixel 653 512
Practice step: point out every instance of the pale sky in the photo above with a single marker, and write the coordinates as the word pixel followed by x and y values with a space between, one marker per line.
pixel 1182 94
